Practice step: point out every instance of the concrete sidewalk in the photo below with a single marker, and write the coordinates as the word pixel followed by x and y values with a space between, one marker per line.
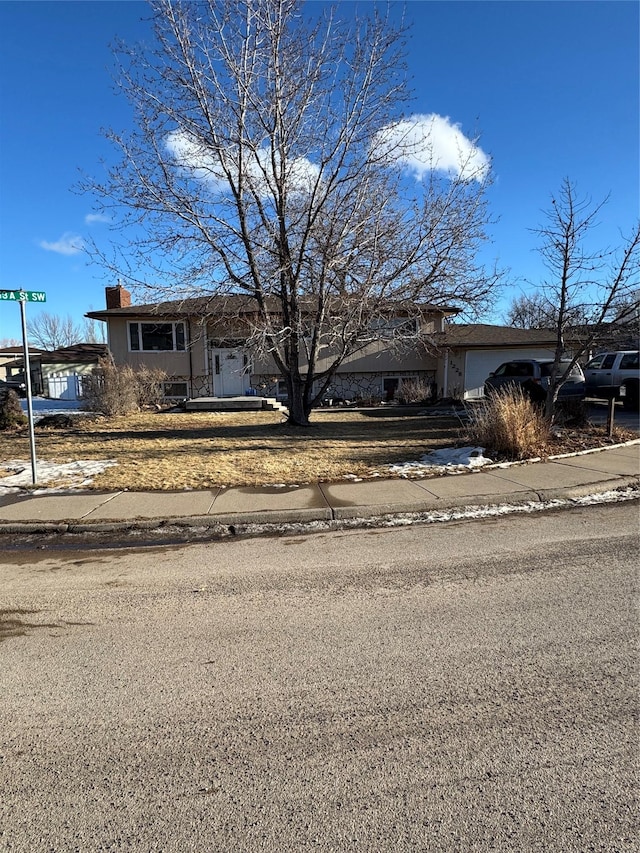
pixel 84 511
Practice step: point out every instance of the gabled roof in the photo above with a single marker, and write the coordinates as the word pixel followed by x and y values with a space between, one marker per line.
pixel 231 305
pixel 17 350
pixel 484 335
pixel 200 306
pixel 74 354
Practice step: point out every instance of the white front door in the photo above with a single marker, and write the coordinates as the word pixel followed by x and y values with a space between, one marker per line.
pixel 229 368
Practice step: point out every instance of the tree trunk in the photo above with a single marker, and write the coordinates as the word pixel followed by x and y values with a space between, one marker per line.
pixel 550 403
pixel 299 409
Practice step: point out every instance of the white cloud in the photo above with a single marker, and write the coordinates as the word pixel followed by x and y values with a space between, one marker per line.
pixel 92 218
pixel 431 143
pixel 189 155
pixel 206 167
pixel 419 145
pixel 68 244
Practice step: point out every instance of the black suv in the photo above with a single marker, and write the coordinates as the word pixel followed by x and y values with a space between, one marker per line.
pixel 19 387
pixel 534 375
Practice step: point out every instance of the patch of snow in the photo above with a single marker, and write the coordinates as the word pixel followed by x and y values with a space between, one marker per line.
pixel 74 475
pixel 42 406
pixel 448 460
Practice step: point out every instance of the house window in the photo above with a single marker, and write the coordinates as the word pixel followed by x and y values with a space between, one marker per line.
pixel 389 328
pixel 156 337
pixel 175 389
pixel 392 384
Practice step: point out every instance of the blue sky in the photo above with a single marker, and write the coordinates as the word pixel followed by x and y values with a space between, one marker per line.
pixel 551 87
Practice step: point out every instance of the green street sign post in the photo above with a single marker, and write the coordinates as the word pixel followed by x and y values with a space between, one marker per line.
pixel 22 297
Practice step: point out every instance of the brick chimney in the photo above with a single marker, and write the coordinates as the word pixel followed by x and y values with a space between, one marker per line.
pixel 117 297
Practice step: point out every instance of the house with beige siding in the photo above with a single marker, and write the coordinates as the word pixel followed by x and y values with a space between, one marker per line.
pixel 203 344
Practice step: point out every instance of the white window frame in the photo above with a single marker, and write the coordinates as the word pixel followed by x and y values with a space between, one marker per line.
pixel 173 323
pixel 412 378
pixel 391 328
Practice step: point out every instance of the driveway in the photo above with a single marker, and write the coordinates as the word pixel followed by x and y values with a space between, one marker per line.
pixel 598 413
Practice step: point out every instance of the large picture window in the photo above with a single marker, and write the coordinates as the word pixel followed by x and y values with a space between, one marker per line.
pixel 156 337
pixel 390 328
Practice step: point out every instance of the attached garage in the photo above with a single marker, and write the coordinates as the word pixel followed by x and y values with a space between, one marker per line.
pixel 479 364
pixel 470 352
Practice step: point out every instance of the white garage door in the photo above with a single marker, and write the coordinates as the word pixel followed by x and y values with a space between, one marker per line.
pixel 480 363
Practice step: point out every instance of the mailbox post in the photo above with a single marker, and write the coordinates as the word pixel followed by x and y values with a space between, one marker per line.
pixel 610 394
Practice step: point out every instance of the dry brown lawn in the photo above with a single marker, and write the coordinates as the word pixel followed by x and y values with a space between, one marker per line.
pixel 207 449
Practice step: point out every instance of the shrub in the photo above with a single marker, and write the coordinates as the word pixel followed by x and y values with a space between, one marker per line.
pixel 150 385
pixel 414 391
pixel 11 414
pixel 508 424
pixel 119 389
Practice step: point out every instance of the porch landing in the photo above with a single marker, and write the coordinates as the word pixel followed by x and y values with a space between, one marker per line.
pixel 234 404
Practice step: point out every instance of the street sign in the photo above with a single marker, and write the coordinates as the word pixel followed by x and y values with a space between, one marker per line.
pixel 22 296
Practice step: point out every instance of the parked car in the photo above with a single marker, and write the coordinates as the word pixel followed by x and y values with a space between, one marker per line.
pixel 533 375
pixel 19 387
pixel 614 372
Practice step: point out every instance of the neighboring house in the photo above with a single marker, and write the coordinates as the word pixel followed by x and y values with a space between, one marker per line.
pixel 13 355
pixel 470 352
pixel 58 374
pixel 201 343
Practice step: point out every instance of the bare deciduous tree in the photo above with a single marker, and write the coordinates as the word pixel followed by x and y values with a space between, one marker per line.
pixel 51 331
pixel 537 311
pixel 93 332
pixel 601 285
pixel 273 157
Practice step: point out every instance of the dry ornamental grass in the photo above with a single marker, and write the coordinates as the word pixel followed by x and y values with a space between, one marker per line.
pixel 511 425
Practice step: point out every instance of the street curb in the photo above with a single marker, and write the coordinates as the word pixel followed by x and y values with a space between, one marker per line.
pixel 272 522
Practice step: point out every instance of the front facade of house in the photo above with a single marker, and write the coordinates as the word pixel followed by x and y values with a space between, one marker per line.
pixel 201 345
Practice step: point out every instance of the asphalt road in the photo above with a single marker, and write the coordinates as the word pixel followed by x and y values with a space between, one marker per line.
pixel 465 687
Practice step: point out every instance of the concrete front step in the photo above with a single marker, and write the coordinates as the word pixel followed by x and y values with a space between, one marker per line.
pixel 274 405
pixel 244 403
